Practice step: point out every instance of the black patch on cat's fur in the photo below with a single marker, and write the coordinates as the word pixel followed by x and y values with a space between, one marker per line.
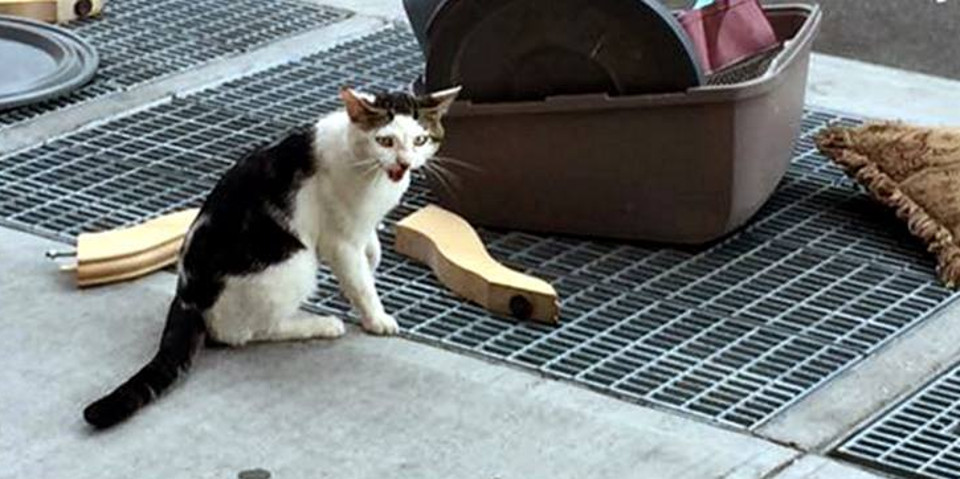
pixel 420 108
pixel 242 229
pixel 398 103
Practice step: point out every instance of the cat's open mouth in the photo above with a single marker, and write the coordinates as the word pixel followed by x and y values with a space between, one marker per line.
pixel 395 172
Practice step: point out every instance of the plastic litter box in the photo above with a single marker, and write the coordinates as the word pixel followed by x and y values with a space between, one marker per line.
pixel 686 167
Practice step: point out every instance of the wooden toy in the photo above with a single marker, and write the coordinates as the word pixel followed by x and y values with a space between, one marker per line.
pixel 128 253
pixel 52 11
pixel 452 248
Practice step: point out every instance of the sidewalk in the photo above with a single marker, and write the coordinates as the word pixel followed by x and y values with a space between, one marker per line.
pixel 357 407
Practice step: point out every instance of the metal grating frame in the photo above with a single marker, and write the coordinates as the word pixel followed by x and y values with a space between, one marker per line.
pixel 734 332
pixel 919 437
pixel 142 40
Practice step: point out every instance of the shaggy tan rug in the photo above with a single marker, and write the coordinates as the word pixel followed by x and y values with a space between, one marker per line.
pixel 914 170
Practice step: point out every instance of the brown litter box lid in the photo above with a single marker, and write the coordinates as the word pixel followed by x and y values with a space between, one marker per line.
pixel 509 50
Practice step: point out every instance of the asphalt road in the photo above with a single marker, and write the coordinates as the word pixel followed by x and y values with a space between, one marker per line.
pixel 919 35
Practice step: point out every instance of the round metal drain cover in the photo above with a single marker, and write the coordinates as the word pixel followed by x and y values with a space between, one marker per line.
pixel 41 61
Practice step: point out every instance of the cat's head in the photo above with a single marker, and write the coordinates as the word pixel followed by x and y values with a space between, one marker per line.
pixel 397 131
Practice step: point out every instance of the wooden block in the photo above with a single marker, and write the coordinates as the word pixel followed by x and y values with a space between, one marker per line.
pixel 452 248
pixel 128 253
pixel 52 11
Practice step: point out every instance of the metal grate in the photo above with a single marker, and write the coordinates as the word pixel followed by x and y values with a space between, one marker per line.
pixel 150 163
pixel 734 332
pixel 299 92
pixel 142 40
pixel 753 68
pixel 919 437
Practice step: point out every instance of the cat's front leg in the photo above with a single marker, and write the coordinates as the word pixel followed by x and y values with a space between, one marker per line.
pixel 372 251
pixel 349 263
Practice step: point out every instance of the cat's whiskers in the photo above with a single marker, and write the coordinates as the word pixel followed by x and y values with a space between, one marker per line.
pixel 457 162
pixel 437 164
pixel 369 166
pixel 449 175
pixel 368 162
pixel 441 181
pixel 371 169
pixel 443 177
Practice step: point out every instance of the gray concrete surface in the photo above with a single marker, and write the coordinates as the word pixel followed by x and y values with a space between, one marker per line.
pixel 357 407
pixel 880 92
pixel 814 467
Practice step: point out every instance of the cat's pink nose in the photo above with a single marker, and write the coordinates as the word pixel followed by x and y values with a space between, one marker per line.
pixel 403 163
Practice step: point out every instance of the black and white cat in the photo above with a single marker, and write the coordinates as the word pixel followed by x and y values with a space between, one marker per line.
pixel 250 258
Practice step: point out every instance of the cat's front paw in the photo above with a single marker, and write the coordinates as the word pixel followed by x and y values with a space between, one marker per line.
pixel 382 324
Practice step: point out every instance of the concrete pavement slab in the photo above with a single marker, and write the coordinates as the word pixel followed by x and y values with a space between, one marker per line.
pixel 358 407
pixel 815 467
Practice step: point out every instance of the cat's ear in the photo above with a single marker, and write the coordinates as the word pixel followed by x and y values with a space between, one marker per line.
pixel 440 101
pixel 360 108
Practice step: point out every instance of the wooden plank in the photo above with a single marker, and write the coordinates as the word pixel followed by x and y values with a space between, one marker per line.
pixel 128 253
pixel 42 10
pixel 452 248
pixel 52 11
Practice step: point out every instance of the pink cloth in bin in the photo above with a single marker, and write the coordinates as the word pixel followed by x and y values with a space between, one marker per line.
pixel 727 32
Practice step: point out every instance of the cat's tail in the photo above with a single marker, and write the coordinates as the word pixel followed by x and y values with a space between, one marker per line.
pixel 182 336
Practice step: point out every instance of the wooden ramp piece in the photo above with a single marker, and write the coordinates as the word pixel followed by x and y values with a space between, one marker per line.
pixel 128 253
pixel 451 247
pixel 52 11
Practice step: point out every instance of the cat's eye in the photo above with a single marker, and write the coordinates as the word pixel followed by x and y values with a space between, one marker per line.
pixel 385 141
pixel 421 140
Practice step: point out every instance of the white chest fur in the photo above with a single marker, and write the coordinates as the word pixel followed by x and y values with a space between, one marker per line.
pixel 335 209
